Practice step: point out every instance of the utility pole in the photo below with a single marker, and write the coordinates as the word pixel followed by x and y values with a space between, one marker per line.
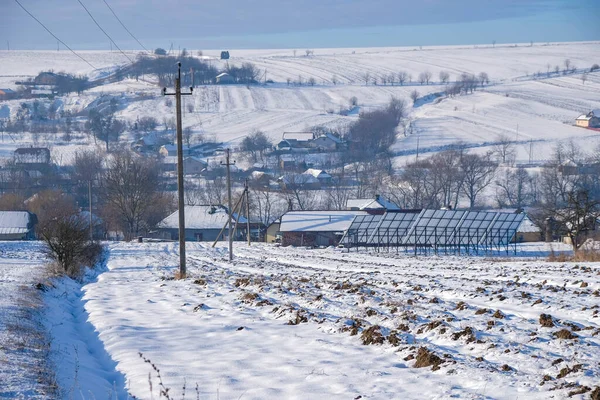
pixel 181 202
pixel 229 211
pixel 90 203
pixel 247 193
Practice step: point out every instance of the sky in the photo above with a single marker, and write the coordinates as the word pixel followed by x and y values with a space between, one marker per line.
pixel 201 24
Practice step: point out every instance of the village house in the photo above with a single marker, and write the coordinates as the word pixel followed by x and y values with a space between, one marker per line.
pixel 202 223
pixel 194 165
pixel 299 181
pixel 17 225
pixel 589 120
pixel 295 141
pixel 327 142
pixel 313 228
pixel 322 176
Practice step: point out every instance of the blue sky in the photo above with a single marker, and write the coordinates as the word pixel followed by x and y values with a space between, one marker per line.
pixel 201 24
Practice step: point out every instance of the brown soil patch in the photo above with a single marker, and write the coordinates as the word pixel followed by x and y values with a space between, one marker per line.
pixel 546 321
pixel 426 358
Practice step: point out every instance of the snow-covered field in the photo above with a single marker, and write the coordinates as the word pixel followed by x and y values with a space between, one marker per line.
pixel 535 112
pixel 292 323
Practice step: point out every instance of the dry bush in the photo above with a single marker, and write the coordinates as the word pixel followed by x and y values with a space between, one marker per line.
pixel 595 394
pixel 66 237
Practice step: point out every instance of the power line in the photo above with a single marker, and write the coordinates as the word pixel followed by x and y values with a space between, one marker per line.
pixel 107 35
pixel 124 27
pixel 55 37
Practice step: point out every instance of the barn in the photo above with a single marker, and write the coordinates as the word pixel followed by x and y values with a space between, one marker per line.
pixel 17 225
pixel 315 228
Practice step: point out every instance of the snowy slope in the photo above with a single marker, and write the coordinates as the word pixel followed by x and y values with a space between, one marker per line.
pixel 543 108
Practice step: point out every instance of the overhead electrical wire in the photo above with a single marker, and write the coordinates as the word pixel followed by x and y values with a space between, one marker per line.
pixel 124 27
pixel 107 35
pixel 55 37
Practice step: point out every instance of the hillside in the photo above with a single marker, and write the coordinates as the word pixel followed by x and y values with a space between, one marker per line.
pixel 542 107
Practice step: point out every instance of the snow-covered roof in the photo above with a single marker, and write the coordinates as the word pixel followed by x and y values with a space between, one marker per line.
pixel 298 179
pixel 200 217
pixel 14 222
pixel 317 173
pixel 584 117
pixel 528 226
pixel 317 221
pixel 371 204
pixel 196 159
pixel 222 74
pixel 332 138
pixel 299 136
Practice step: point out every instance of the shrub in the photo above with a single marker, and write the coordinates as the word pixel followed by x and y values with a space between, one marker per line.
pixel 66 236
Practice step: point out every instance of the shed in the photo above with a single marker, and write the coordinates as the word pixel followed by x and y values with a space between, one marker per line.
pixel 224 78
pixel 315 228
pixel 17 225
pixel 202 223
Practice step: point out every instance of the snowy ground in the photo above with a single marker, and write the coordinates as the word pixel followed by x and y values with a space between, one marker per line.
pixel 291 322
pixel 24 343
pixel 534 112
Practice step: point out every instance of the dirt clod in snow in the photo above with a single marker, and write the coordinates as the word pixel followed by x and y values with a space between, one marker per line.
pixel 546 321
pixel 426 358
pixel 564 334
pixel 372 335
pixel 498 314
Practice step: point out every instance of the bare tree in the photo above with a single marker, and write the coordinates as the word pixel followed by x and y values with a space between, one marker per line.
pixel 567 64
pixel 12 202
pixel 366 77
pixel 478 172
pixel 504 149
pixel 402 77
pixel 444 77
pixel 422 77
pixel 484 78
pixel 583 78
pixel 256 144
pixel 579 216
pixel 514 188
pixel 427 76
pixel 129 188
pixel 548 66
pixel 414 95
pixel 312 81
pixel 556 69
pixel 334 80
pixel 188 136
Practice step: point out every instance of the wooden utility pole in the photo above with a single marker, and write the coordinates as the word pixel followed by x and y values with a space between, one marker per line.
pixel 229 209
pixel 247 193
pixel 181 202
pixel 90 203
